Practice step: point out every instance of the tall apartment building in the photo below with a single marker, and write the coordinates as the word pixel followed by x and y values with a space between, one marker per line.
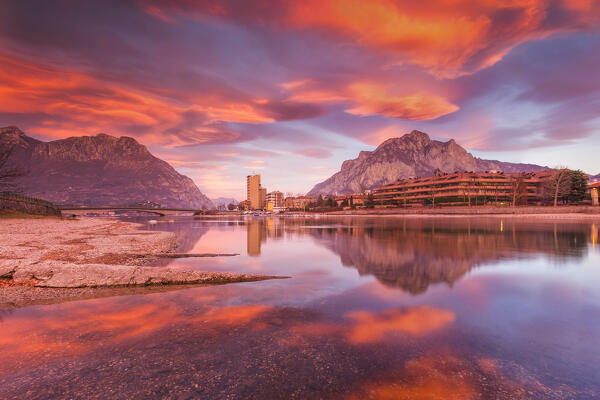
pixel 263 197
pixel 253 191
pixel 256 194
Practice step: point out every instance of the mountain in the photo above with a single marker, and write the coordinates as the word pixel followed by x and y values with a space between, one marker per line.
pixel 99 170
pixel 412 155
pixel 224 201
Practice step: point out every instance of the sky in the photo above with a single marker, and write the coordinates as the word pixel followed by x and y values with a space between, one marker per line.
pixel 223 89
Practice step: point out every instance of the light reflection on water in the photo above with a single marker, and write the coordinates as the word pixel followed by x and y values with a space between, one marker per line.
pixel 376 307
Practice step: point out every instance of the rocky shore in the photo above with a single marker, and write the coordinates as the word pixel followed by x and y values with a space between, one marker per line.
pixel 47 258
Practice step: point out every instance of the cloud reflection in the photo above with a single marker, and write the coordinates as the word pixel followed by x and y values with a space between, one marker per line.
pixel 365 327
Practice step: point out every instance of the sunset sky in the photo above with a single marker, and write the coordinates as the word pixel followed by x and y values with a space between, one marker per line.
pixel 221 89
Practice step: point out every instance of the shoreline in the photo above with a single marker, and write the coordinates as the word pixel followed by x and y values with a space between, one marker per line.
pixel 53 259
pixel 538 217
pixel 479 211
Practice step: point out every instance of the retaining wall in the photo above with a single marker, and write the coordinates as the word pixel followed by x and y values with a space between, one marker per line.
pixel 28 205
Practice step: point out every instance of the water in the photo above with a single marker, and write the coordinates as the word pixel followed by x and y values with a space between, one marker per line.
pixel 382 308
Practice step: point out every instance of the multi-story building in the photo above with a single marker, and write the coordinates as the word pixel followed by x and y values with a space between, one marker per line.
pixel 298 203
pixel 352 199
pixel 256 194
pixel 594 189
pixel 263 198
pixel 465 188
pixel 244 205
pixel 275 198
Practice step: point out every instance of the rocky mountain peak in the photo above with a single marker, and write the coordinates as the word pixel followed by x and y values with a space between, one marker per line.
pixel 414 139
pixel 11 133
pixel 414 154
pixel 95 170
pixel 417 136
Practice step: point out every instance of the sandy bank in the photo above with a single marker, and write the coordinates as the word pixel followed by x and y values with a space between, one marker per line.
pixel 86 253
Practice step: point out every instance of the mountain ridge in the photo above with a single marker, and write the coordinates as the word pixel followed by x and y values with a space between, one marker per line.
pixel 411 155
pixel 94 170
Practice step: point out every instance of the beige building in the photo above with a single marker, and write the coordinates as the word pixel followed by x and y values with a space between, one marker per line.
pixel 256 194
pixel 594 189
pixel 275 198
pixel 263 198
pixel 298 203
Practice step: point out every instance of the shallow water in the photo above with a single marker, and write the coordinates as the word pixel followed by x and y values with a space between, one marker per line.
pixel 382 308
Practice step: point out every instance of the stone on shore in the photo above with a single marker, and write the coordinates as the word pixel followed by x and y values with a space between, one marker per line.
pixel 51 274
pixel 92 253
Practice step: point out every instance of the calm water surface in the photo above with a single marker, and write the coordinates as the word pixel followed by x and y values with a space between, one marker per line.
pixel 381 308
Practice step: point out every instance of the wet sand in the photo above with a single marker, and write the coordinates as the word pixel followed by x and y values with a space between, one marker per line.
pixel 49 260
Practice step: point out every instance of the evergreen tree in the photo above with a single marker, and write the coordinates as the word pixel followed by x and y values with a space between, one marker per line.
pixel 577 186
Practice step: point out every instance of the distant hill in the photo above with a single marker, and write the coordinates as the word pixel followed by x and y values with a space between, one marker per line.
pixel 99 170
pixel 224 201
pixel 412 155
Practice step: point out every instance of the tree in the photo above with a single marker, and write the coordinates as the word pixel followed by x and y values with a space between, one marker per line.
pixel 330 201
pixel 578 186
pixel 370 201
pixel 466 192
pixel 320 201
pixel 560 184
pixel 231 206
pixel 519 191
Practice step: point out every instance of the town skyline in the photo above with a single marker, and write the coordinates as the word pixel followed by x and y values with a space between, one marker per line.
pixel 222 90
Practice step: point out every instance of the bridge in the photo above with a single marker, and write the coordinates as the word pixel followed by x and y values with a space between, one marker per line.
pixel 109 210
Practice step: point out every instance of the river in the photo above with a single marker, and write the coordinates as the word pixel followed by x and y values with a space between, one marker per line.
pixel 375 307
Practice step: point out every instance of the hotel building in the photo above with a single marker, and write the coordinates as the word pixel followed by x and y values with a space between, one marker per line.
pixel 464 188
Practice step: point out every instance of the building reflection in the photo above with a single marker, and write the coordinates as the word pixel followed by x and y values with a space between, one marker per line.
pixel 258 230
pixel 254 237
pixel 414 254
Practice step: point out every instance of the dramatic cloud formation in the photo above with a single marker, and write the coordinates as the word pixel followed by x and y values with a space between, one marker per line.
pixel 213 85
pixel 372 100
pixel 448 38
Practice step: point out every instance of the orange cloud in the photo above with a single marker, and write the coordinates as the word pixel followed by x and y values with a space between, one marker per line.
pixel 447 38
pixel 374 100
pixel 73 103
pixel 369 98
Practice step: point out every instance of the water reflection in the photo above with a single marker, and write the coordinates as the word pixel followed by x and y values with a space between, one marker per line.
pixel 258 230
pixel 525 328
pixel 362 326
pixel 413 254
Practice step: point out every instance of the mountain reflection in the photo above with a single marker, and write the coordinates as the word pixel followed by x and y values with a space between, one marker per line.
pixel 414 254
